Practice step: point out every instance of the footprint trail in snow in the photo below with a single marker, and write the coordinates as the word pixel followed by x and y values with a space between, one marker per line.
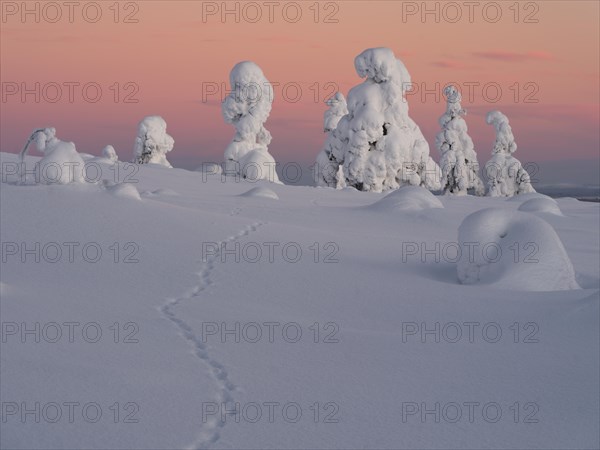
pixel 225 387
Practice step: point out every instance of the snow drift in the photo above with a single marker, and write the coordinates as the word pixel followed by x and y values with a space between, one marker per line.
pixel 513 250
pixel 123 190
pixel 210 168
pixel 261 192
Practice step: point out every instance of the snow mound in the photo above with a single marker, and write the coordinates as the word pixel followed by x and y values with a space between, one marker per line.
pixel 524 197
pixel 408 198
pixel 541 205
pixel 513 250
pixel 261 192
pixel 210 168
pixel 124 190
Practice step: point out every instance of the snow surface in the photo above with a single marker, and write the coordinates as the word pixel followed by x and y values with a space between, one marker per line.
pixel 369 295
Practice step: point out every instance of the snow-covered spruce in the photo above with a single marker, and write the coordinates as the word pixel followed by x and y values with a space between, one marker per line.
pixel 381 147
pixel 109 153
pixel 247 108
pixel 61 163
pixel 458 158
pixel 152 142
pixel 504 173
pixel 513 250
pixel 328 171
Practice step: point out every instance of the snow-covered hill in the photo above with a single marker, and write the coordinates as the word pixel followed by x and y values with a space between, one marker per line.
pixel 141 315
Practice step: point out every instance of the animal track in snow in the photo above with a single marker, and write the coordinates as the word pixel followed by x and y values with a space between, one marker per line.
pixel 225 387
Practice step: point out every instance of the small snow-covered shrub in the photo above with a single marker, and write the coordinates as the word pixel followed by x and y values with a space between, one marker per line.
pixel 61 163
pixel 380 147
pixel 513 250
pixel 328 171
pixel 152 142
pixel 247 108
pixel 458 158
pixel 505 174
pixel 109 153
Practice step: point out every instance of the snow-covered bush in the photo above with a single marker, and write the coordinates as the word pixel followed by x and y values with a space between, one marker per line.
pixel 61 163
pixel 380 146
pixel 513 250
pixel 152 142
pixel 458 158
pixel 109 153
pixel 247 108
pixel 327 169
pixel 504 173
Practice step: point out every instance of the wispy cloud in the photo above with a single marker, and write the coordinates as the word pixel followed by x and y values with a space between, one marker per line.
pixel 501 55
pixel 451 64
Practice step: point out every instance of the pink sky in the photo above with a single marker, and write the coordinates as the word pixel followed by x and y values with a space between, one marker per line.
pixel 171 51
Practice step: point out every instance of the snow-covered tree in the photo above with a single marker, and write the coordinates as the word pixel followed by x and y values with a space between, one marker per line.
pixel 504 173
pixel 327 170
pixel 381 147
pixel 458 158
pixel 247 108
pixel 152 142
pixel 109 153
pixel 61 163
